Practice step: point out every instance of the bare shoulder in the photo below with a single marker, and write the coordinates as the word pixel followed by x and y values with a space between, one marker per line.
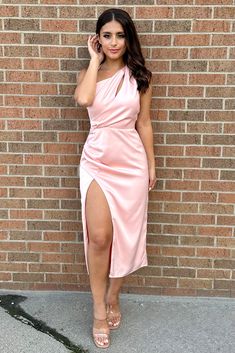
pixel 81 75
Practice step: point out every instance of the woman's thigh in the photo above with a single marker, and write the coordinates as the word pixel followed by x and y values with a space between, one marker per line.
pixel 98 216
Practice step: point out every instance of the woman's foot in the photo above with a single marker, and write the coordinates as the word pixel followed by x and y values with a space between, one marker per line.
pixel 113 315
pixel 101 333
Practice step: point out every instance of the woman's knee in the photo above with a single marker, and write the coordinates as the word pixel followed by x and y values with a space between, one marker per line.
pixel 100 240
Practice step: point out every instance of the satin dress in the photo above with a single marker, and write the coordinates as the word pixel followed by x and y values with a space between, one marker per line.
pixel 114 156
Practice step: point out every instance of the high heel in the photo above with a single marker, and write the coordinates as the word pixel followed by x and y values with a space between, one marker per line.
pixel 101 336
pixel 113 318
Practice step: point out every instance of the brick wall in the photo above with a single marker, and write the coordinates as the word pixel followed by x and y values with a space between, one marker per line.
pixel 189 46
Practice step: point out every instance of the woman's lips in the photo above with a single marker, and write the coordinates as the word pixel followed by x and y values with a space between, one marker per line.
pixel 114 51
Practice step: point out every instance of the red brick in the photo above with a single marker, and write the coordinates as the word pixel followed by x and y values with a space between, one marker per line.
pixel 220 116
pixel 56 2
pixel 19 24
pixel 21 101
pixel 180 208
pixel 154 12
pixel 77 12
pixel 24 76
pixel 183 162
pixel 10 38
pixel 60 236
pixel 224 11
pixel 225 220
pixel 169 53
pixel 25 170
pixel 5 276
pixel 178 251
pixel 220 92
pixel 26 214
pixel 197 219
pixel 193 12
pixel 10 64
pixel 59 25
pixel 191 40
pixel 201 174
pixel 23 257
pixel 196 241
pixel 60 277
pixel 58 258
pixel 28 277
pixel 216 209
pixel 41 64
pixel 226 198
pixel 39 11
pixel 41 38
pixel 13 246
pixel 9 11
pixel 217 185
pixel 155 40
pixel 3 236
pixel 9 267
pixel 58 52
pixel 211 26
pixel 37 89
pixel 213 253
pixel 23 124
pixel 229 151
pixel 207 79
pixel 182 185
pixel 44 268
pixel 12 225
pixel 223 39
pixel 224 66
pixel 183 91
pixel 7 88
pixel 43 247
pixel 170 79
pixel 11 112
pixel 226 242
pixel 195 283
pixel 60 148
pixel 41 113
pixel 213 2
pixel 22 51
pixel 208 53
pixel 202 151
pixel 215 231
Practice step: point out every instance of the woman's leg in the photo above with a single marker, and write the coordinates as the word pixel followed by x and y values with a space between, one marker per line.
pixel 112 301
pixel 99 226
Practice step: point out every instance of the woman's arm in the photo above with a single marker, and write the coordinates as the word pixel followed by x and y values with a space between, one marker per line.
pixel 144 128
pixel 86 82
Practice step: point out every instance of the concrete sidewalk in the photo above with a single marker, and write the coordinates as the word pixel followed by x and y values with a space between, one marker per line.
pixel 151 324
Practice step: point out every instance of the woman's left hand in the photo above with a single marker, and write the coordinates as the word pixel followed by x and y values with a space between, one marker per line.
pixel 152 178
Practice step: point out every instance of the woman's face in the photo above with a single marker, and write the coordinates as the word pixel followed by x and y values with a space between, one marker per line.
pixel 112 39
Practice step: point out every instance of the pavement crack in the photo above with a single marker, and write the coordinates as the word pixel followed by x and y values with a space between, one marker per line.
pixel 11 304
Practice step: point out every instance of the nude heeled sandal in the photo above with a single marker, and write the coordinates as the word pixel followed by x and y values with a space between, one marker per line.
pixel 113 318
pixel 101 337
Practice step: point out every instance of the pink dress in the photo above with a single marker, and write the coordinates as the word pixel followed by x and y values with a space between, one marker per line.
pixel 115 158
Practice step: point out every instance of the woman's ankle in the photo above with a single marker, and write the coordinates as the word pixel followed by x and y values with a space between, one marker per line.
pixel 112 299
pixel 99 310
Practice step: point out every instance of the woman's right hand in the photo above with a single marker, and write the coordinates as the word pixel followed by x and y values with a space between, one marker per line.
pixel 92 43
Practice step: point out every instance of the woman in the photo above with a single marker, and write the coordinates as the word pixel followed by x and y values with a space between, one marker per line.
pixel 117 167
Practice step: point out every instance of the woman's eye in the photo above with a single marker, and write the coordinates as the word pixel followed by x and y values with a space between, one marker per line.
pixel 121 35
pixel 106 35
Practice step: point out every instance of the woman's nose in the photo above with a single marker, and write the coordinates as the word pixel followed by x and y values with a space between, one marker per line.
pixel 114 40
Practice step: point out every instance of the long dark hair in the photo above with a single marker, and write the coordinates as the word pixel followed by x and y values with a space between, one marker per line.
pixel 133 56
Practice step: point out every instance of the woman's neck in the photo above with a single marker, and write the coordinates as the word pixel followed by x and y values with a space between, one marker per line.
pixel 112 65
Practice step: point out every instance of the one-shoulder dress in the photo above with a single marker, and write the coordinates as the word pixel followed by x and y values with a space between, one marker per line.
pixel 114 156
